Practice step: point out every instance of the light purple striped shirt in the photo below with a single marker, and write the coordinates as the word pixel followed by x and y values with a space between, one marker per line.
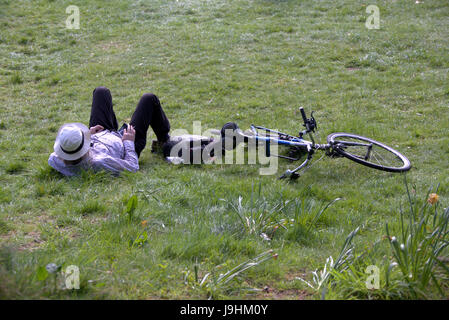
pixel 107 152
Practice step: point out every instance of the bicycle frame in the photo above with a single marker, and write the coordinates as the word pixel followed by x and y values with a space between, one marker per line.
pixel 309 146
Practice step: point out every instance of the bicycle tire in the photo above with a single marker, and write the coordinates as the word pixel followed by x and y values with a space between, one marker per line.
pixel 341 147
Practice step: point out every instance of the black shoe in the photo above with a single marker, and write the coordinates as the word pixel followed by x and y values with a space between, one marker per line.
pixel 227 127
pixel 157 146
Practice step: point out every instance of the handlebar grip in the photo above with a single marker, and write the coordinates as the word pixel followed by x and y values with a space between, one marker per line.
pixel 304 117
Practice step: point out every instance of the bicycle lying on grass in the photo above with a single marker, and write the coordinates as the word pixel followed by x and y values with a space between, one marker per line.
pixel 362 150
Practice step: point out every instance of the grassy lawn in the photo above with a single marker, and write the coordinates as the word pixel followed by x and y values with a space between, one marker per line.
pixel 248 61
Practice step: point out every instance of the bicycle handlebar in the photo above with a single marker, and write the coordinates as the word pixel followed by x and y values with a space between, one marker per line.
pixel 303 113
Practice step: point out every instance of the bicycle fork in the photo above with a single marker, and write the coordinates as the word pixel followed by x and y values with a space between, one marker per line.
pixel 293 174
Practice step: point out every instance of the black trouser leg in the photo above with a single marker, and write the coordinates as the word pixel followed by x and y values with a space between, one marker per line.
pixel 102 112
pixel 149 113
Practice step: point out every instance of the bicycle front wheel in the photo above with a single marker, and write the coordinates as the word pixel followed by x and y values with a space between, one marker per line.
pixel 368 152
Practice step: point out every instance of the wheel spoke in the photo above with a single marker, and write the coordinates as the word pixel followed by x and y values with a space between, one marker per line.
pixel 374 154
pixel 369 152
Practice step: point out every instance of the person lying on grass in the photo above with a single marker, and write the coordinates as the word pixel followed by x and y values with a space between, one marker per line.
pixel 105 147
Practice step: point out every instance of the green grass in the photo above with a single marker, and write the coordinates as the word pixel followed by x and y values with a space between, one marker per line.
pixel 213 61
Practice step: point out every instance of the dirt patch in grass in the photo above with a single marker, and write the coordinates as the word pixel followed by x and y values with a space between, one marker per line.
pixel 34 241
pixel 30 241
pixel 27 235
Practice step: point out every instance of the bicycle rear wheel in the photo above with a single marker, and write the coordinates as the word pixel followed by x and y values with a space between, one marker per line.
pixel 368 152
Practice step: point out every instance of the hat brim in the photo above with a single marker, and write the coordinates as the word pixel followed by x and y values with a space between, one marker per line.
pixel 73 156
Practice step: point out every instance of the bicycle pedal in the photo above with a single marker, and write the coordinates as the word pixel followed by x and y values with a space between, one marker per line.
pixel 294 176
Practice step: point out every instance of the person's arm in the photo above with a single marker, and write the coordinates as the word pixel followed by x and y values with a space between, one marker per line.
pixel 58 164
pixel 130 162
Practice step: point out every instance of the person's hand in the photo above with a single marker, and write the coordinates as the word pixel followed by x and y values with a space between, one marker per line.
pixel 96 129
pixel 129 134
